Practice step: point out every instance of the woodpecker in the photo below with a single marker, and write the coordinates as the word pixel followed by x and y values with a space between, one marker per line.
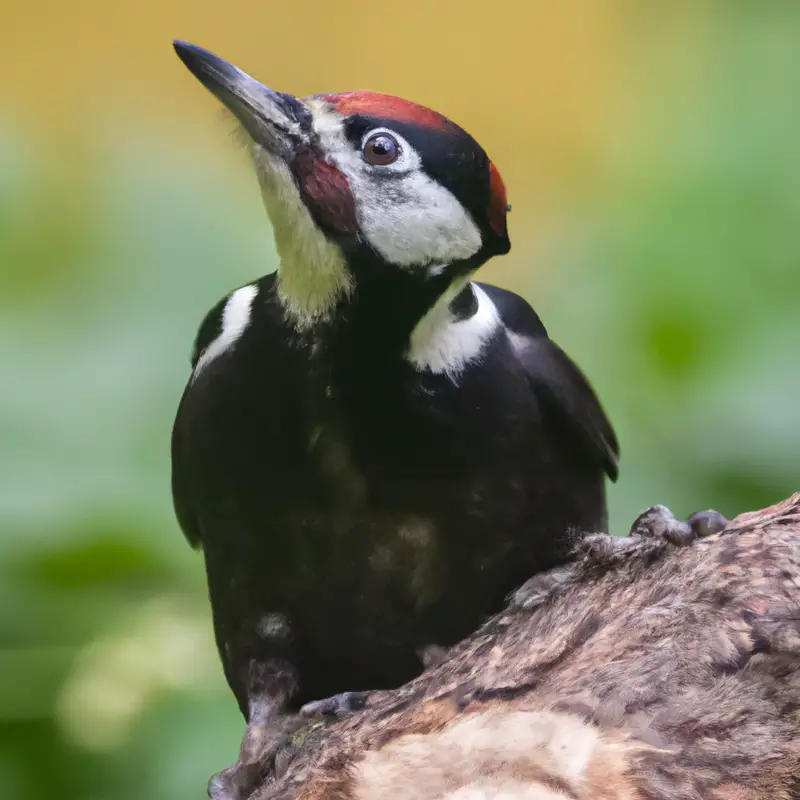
pixel 373 449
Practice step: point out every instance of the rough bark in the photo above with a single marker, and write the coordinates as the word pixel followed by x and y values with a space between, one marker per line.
pixel 660 672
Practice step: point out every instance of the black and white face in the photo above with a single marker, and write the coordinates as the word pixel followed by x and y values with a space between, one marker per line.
pixel 360 171
pixel 421 185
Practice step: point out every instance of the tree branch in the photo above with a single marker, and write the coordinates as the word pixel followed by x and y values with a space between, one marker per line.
pixel 659 673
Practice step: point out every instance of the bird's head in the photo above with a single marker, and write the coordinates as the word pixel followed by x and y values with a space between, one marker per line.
pixel 360 186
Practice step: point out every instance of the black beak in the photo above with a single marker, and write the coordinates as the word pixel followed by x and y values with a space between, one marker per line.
pixel 274 120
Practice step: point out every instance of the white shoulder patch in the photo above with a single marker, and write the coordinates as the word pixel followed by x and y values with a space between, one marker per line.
pixel 442 344
pixel 518 342
pixel 235 319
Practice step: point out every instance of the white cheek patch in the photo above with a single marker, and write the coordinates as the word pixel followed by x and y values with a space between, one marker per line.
pixel 414 220
pixel 407 217
pixel 441 343
pixel 235 319
pixel 313 274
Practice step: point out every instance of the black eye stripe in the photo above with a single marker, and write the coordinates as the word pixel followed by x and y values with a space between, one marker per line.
pixel 450 156
pixel 357 126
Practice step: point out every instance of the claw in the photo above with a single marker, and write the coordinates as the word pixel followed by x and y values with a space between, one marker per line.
pixel 236 782
pixel 707 523
pixel 658 522
pixel 265 747
pixel 536 590
pixel 339 705
pixel 431 655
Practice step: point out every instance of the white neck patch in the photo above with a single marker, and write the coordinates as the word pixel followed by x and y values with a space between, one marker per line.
pixel 235 319
pixel 313 274
pixel 441 343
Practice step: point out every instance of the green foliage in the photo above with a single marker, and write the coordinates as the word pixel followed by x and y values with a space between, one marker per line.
pixel 680 294
pixel 110 684
pixel 677 292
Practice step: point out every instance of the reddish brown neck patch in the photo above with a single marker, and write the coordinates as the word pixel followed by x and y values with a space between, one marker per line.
pixel 385 106
pixel 326 194
pixel 498 202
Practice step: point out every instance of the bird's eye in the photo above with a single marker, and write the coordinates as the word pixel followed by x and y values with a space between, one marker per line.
pixel 381 149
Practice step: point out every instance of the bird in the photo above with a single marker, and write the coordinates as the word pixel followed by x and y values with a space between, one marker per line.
pixel 373 449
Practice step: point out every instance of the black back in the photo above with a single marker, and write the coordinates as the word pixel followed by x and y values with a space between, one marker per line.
pixel 374 508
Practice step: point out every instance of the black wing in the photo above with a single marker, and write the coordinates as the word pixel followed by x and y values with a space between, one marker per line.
pixel 557 381
pixel 210 328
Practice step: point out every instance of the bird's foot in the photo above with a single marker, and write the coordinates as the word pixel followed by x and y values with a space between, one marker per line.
pixel 431 656
pixel 339 705
pixel 536 590
pixel 653 528
pixel 659 523
pixel 656 527
pixel 236 782
pixel 267 749
pixel 267 745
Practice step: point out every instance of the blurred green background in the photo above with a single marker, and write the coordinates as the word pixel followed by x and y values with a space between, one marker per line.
pixel 652 155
